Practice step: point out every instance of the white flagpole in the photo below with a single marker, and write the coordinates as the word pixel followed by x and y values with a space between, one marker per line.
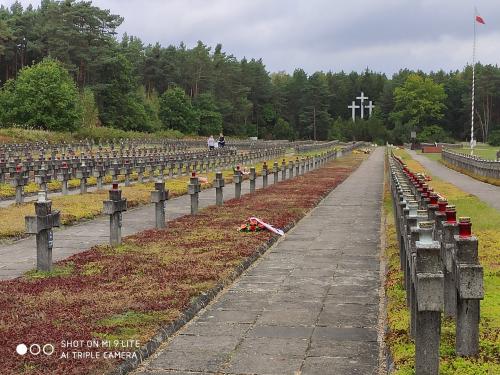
pixel 473 85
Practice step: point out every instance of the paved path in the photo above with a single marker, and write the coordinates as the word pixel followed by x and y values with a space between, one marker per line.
pixel 486 192
pixel 308 306
pixel 20 256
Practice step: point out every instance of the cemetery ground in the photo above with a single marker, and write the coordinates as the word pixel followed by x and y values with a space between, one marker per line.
pixel 75 207
pixel 130 291
pixel 486 221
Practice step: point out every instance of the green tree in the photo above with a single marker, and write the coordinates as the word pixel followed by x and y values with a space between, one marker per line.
pixel 283 130
pixel 176 111
pixel 315 119
pixel 119 102
pixel 90 113
pixel 433 133
pixel 419 102
pixel 44 96
pixel 152 106
pixel 210 123
pixel 5 36
pixel 210 119
pixel 77 33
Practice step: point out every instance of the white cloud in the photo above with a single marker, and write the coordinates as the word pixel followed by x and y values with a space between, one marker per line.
pixel 384 35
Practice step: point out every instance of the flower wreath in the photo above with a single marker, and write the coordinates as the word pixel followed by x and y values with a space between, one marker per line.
pixel 251 226
pixel 254 224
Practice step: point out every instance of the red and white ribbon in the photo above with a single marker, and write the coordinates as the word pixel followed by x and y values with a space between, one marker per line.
pixel 268 226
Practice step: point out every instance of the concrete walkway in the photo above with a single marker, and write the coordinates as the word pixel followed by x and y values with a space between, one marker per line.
pixel 486 192
pixel 308 306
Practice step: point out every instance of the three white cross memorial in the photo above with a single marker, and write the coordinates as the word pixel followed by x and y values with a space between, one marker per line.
pixel 362 106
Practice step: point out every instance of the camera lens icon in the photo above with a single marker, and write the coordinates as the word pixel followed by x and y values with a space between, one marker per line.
pixel 48 349
pixel 35 349
pixel 21 349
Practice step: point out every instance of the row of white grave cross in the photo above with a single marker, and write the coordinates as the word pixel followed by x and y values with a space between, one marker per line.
pixel 362 107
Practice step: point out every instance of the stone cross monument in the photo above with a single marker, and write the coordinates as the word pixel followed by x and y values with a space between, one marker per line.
pixel 362 107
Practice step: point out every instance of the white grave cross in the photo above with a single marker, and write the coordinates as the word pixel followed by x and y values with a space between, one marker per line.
pixel 353 108
pixel 370 107
pixel 362 98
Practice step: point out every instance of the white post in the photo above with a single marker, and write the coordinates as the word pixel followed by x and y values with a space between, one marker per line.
pixel 362 98
pixel 370 107
pixel 473 85
pixel 353 108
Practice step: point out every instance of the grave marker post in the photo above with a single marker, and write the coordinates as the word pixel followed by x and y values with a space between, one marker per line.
pixel 219 186
pixel 429 283
pixel 252 177
pixel 158 197
pixel 41 225
pixel 264 175
pixel 19 180
pixel 114 207
pixel 193 191
pixel 237 179
pixel 64 176
pixel 469 289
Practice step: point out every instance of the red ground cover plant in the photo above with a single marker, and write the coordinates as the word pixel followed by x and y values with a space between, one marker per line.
pixel 129 292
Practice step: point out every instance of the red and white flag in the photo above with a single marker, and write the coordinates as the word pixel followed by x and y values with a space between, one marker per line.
pixel 480 20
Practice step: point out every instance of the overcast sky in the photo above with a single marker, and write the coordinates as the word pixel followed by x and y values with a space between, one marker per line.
pixel 383 35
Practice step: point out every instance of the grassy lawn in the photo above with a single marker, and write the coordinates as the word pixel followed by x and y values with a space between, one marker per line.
pixel 481 150
pixel 486 224
pixel 129 292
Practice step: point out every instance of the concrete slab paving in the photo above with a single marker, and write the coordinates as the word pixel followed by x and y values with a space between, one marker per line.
pixel 308 306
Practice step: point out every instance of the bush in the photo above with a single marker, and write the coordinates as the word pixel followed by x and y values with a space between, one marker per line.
pixel 21 135
pixel 97 134
pixel 43 96
pixel 433 133
pixel 371 130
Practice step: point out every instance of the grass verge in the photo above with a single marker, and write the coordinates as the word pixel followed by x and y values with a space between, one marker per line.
pixel 486 222
pixel 483 151
pixel 129 292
